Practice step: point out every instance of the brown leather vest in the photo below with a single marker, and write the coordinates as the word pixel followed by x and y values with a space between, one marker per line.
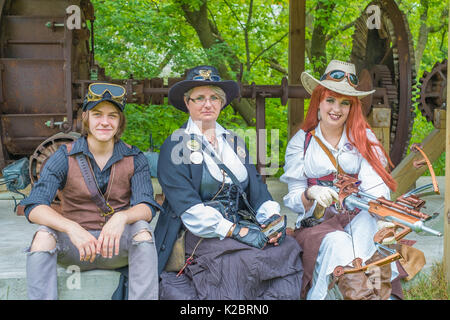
pixel 76 203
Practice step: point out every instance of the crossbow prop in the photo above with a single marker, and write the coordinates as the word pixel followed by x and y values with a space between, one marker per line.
pixel 405 213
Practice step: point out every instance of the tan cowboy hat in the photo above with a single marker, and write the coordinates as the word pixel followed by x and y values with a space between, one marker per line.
pixel 338 77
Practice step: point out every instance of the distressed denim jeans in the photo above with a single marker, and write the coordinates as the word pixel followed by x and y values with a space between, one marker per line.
pixel 140 256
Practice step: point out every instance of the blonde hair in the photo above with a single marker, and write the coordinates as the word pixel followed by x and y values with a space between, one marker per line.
pixel 85 122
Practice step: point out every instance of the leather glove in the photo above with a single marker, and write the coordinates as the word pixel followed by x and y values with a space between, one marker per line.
pixel 386 233
pixel 323 195
pixel 254 236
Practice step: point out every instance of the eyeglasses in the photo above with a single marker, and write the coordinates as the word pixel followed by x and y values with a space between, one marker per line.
pixel 204 75
pixel 201 100
pixel 96 92
pixel 338 75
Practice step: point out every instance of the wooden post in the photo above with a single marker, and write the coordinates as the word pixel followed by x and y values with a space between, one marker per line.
pixel 261 142
pixel 380 121
pixel 296 61
pixel 446 257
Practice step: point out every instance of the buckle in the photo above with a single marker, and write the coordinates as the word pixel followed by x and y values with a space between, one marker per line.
pixel 111 211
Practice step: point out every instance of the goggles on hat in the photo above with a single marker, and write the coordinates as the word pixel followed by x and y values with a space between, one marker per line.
pixel 338 75
pixel 96 92
pixel 204 75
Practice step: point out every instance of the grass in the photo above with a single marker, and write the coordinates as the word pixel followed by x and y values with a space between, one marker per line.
pixel 431 285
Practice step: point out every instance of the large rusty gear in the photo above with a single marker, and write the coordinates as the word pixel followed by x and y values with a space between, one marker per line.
pixel 384 46
pixel 433 90
pixel 46 149
pixel 382 78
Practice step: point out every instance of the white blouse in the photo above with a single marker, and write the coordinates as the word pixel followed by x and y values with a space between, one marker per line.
pixel 205 221
pixel 315 164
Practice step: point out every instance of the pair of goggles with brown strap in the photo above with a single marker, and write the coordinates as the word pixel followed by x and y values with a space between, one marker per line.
pixel 105 91
pixel 339 75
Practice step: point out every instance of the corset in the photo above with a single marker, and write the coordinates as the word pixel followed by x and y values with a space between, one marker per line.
pixel 228 200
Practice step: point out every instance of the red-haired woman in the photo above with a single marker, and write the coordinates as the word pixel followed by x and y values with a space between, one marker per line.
pixel 335 135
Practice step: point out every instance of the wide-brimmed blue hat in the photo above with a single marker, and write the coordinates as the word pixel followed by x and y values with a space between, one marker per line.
pixel 201 76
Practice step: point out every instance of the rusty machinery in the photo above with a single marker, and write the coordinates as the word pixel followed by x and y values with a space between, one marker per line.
pixel 386 56
pixel 45 69
pixel 433 91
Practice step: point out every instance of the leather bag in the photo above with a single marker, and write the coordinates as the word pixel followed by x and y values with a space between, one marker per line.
pixel 177 257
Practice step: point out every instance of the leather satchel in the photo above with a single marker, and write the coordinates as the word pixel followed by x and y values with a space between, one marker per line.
pixel 177 257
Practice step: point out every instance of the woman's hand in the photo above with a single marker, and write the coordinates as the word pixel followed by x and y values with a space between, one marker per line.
pixel 323 195
pixel 250 234
pixel 109 240
pixel 279 237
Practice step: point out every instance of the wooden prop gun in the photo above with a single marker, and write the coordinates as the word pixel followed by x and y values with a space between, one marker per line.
pixel 404 212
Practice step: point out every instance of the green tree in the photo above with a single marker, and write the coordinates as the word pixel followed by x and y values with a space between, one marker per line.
pixel 246 39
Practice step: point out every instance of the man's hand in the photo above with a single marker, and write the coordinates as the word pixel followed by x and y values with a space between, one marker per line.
pixel 83 241
pixel 109 240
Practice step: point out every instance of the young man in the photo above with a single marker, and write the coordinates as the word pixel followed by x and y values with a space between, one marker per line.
pixel 106 204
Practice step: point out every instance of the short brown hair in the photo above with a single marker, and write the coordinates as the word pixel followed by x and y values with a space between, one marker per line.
pixel 85 122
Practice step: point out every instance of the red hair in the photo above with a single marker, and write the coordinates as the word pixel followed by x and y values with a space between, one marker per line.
pixel 355 130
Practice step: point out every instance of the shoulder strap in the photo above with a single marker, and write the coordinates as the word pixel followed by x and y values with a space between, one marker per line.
pixel 217 161
pixel 308 137
pixel 91 184
pixel 328 152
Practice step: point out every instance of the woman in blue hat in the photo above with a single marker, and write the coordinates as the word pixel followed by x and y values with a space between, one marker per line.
pixel 217 200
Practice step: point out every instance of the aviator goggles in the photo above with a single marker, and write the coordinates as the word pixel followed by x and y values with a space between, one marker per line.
pixel 338 75
pixel 97 92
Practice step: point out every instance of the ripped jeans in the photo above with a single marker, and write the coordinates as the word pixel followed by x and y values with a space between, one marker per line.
pixel 140 256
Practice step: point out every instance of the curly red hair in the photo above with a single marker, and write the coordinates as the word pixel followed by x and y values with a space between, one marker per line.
pixel 355 130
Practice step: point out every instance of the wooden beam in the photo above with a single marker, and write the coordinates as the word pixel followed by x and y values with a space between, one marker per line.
pixel 446 258
pixel 296 61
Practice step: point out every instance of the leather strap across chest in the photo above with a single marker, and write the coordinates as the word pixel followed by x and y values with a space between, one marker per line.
pixel 89 178
pixel 328 152
pixel 328 179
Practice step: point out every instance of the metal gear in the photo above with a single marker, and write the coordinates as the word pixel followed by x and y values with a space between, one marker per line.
pixel 46 149
pixel 382 78
pixel 433 90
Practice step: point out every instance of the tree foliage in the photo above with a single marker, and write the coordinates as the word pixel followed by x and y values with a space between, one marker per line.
pixel 244 38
